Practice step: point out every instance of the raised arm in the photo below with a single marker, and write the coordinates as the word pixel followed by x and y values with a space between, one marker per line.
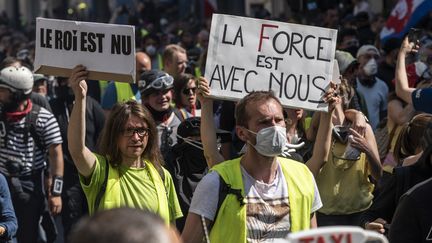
pixel 402 88
pixel 83 158
pixel 323 139
pixel 208 128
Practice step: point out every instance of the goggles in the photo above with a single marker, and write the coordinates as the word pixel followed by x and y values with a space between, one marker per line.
pixel 163 82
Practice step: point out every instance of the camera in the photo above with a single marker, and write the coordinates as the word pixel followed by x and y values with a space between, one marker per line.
pixel 14 166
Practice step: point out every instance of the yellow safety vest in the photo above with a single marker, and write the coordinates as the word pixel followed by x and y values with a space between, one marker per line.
pixel 111 198
pixel 230 223
pixel 124 92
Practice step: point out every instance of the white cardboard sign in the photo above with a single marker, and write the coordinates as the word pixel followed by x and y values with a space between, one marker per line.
pixel 107 50
pixel 246 54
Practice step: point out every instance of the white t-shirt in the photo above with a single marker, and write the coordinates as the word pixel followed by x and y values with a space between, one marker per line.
pixel 267 205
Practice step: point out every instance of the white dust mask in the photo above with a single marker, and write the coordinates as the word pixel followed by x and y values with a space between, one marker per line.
pixel 270 141
pixel 371 67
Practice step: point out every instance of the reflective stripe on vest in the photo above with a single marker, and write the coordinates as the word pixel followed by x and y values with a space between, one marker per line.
pixel 230 223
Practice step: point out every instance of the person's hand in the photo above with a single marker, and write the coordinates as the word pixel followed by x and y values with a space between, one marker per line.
pixel 408 47
pixel 359 142
pixel 377 225
pixel 359 123
pixel 203 90
pixel 54 204
pixel 77 81
pixel 2 230
pixel 331 97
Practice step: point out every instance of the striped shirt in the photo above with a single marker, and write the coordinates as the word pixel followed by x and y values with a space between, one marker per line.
pixel 20 151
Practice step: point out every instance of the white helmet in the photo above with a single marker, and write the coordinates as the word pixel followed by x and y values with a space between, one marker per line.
pixel 17 79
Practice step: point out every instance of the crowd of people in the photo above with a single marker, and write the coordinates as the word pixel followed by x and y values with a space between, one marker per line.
pixel 160 160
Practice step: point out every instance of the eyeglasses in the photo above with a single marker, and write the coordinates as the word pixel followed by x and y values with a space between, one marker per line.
pixel 141 131
pixel 164 81
pixel 188 90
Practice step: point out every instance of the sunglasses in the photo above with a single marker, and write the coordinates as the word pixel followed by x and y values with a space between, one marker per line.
pixel 188 91
pixel 141 131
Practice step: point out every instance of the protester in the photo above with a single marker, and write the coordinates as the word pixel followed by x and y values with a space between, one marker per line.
pixel 8 220
pixel 296 134
pixel 379 216
pixel 185 95
pixel 28 133
pixel 128 171
pixel 156 88
pixel 75 204
pixel 387 67
pixel 123 225
pixel 175 60
pixel 412 221
pixel 40 85
pixel 343 178
pixel 420 98
pixel 373 89
pixel 408 147
pixel 257 182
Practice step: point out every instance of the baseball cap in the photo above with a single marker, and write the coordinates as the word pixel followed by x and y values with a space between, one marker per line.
pixel 38 77
pixel 190 127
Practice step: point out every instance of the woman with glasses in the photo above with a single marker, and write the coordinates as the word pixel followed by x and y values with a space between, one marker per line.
pixel 128 169
pixel 185 96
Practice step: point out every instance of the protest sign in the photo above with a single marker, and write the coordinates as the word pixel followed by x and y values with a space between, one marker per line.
pixel 295 61
pixel 107 50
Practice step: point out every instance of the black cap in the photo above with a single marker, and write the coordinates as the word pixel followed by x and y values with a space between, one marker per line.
pixel 190 127
pixel 154 80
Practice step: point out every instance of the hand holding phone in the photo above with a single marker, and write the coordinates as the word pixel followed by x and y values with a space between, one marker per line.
pixel 414 35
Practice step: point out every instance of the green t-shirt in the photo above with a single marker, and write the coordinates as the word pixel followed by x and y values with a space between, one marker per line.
pixel 137 189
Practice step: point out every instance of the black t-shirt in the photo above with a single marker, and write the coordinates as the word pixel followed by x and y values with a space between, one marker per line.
pixel 413 218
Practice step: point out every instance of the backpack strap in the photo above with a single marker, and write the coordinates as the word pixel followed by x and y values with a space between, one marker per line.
pixel 179 114
pixel 224 190
pixel 31 119
pixel 102 189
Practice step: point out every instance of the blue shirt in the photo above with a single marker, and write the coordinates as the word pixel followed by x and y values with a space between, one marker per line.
pixel 8 219
pixel 422 100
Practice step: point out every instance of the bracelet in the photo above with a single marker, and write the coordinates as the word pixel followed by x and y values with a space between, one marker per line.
pixel 57 186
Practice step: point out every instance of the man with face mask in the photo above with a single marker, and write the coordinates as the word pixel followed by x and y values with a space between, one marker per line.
pixel 75 205
pixel 258 197
pixel 373 89
pixel 28 133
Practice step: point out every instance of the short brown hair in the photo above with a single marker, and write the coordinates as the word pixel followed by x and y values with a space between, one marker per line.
pixel 114 125
pixel 170 51
pixel 241 115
